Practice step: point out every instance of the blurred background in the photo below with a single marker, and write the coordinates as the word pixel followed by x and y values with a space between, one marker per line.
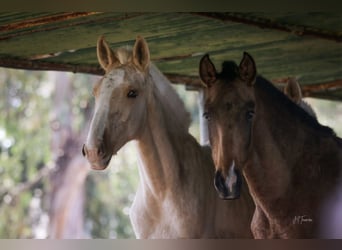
pixel 47 189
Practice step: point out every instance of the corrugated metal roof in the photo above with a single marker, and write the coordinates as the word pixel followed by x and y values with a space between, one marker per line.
pixel 303 45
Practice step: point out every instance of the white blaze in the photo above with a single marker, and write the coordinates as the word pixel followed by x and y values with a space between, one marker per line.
pixel 232 177
pixel 102 106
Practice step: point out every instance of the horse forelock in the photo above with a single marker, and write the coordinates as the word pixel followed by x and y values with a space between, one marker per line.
pixel 229 71
pixel 124 54
pixel 225 79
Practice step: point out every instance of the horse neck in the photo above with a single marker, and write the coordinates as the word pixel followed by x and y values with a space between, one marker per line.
pixel 289 127
pixel 288 147
pixel 161 146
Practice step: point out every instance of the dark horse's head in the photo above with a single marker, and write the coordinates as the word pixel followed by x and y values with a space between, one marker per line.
pixel 229 110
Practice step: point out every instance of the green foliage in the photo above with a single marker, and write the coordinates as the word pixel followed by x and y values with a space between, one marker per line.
pixel 114 190
pixel 24 140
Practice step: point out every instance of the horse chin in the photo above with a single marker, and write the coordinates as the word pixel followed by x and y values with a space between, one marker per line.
pixel 229 187
pixel 101 164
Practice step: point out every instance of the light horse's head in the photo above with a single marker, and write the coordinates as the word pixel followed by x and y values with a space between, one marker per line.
pixel 120 101
pixel 229 109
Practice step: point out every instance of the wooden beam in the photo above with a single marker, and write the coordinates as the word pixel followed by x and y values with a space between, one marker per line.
pixel 265 23
pixel 312 89
pixel 17 63
pixel 191 82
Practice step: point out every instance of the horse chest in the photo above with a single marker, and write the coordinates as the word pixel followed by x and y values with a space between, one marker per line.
pixel 166 219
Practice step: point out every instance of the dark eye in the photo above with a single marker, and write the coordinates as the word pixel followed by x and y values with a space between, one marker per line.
pixel 250 115
pixel 132 93
pixel 206 116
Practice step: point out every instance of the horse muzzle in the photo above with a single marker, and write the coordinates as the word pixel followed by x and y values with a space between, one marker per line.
pixel 228 188
pixel 97 159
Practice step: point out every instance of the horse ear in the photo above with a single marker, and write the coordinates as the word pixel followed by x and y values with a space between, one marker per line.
pixel 207 71
pixel 105 54
pixel 293 91
pixel 141 53
pixel 247 69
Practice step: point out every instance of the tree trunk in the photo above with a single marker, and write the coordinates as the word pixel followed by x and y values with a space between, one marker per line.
pixel 68 181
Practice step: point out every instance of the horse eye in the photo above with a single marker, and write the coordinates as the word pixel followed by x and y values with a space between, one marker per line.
pixel 132 94
pixel 250 115
pixel 206 116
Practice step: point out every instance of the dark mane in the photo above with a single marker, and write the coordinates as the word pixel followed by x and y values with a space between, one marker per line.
pixel 279 98
pixel 229 72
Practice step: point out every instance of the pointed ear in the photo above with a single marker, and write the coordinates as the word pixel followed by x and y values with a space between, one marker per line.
pixel 141 53
pixel 105 54
pixel 247 69
pixel 293 91
pixel 207 71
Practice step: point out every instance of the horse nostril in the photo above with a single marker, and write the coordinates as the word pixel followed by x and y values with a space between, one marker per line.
pixel 220 184
pixel 84 151
pixel 100 150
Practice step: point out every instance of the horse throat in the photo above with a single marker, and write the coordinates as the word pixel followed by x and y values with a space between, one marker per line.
pixel 159 160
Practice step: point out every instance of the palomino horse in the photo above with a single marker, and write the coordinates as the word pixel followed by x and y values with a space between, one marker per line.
pixel 175 197
pixel 290 161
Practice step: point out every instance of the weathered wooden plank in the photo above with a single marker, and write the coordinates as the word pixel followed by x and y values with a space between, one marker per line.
pixel 266 23
pixel 37 21
pixel 52 38
pixel 12 17
pixel 177 41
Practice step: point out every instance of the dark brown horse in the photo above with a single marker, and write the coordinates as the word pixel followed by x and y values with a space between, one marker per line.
pixel 291 163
